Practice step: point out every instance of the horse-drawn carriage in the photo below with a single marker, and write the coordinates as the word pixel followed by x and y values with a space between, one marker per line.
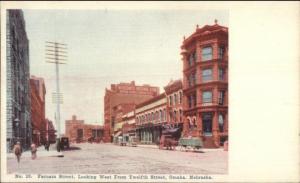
pixel 193 143
pixel 94 139
pixel 169 137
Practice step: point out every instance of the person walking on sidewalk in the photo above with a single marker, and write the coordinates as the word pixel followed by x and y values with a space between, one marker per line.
pixel 18 151
pixel 47 145
pixel 33 151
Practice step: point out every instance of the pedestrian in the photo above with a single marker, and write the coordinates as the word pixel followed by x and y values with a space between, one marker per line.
pixel 33 151
pixel 18 151
pixel 47 145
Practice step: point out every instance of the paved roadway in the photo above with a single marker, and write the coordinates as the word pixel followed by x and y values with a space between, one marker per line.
pixel 113 159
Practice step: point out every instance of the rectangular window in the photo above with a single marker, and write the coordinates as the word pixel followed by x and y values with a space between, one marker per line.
pixel 207 53
pixel 221 74
pixel 221 52
pixel 190 99
pixel 207 124
pixel 79 133
pixel 171 100
pixel 207 75
pixel 192 58
pixel 221 123
pixel 194 100
pixel 221 97
pixel 94 133
pixel 192 79
pixel 207 97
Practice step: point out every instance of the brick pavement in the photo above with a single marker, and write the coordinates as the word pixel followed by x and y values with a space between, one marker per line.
pixel 113 159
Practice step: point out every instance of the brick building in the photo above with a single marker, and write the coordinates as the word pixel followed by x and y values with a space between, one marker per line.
pixel 129 126
pixel 18 119
pixel 118 112
pixel 38 121
pixel 123 93
pixel 205 86
pixel 77 131
pixel 150 116
pixel 174 97
pixel 50 131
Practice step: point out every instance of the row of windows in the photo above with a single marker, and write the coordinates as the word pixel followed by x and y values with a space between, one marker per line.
pixel 175 99
pixel 207 75
pixel 157 116
pixel 207 97
pixel 175 115
pixel 206 54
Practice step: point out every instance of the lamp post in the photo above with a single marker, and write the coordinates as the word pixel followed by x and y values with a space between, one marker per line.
pixel 17 122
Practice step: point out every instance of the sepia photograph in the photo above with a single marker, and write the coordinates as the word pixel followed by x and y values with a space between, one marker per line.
pixel 124 94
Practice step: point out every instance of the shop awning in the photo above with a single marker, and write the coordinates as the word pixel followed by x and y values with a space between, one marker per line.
pixel 118 134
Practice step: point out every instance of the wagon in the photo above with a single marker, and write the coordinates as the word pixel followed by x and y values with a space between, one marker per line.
pixel 194 143
pixel 64 143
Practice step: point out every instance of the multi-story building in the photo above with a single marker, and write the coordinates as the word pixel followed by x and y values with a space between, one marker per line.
pixel 205 86
pixel 123 93
pixel 129 127
pixel 118 112
pixel 77 131
pixel 150 116
pixel 50 131
pixel 38 120
pixel 174 103
pixel 18 124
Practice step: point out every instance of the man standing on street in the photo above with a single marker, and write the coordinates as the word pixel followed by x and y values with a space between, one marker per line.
pixel 33 151
pixel 17 150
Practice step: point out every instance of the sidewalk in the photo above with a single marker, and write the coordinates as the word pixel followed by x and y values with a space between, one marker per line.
pixel 41 152
pixel 178 148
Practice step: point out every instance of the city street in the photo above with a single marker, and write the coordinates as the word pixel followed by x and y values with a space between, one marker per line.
pixel 113 159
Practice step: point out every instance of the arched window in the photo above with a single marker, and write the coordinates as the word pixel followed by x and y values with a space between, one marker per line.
pixel 160 115
pixel 175 116
pixel 180 115
pixel 180 97
pixel 221 123
pixel 153 118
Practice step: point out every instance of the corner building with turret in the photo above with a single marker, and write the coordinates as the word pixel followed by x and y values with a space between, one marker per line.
pixel 205 85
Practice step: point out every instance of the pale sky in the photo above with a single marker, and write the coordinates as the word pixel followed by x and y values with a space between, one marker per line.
pixel 106 47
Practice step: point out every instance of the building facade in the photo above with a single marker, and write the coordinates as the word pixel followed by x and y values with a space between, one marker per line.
pixel 38 120
pixel 205 84
pixel 18 124
pixel 77 131
pixel 123 93
pixel 129 127
pixel 174 97
pixel 50 131
pixel 150 116
pixel 118 112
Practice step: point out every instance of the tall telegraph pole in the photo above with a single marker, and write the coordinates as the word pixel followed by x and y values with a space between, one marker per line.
pixel 56 53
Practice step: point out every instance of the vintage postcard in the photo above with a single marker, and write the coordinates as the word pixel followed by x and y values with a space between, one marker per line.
pixel 133 92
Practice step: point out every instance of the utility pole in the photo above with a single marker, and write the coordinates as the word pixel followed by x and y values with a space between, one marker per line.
pixel 56 53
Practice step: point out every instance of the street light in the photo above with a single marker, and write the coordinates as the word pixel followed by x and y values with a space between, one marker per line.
pixel 17 122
